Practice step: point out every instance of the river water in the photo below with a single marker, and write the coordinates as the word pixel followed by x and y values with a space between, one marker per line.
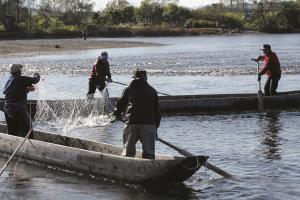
pixel 260 149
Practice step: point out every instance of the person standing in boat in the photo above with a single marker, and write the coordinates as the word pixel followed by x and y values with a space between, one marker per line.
pixel 16 88
pixel 100 74
pixel 139 103
pixel 271 68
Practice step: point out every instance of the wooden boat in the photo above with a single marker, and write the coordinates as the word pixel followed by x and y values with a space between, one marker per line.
pixel 207 103
pixel 101 159
pixel 227 102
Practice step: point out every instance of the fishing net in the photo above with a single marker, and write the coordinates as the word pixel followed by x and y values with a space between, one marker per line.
pixel 66 115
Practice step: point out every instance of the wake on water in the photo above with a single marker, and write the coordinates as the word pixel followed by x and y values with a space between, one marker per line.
pixel 62 116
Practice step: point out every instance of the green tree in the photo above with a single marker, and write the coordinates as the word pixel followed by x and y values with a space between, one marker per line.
pixel 175 15
pixel 76 12
pixel 150 12
pixel 10 13
pixel 291 12
pixel 267 15
pixel 119 11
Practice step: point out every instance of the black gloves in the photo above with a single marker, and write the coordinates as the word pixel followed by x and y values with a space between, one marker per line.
pixel 37 77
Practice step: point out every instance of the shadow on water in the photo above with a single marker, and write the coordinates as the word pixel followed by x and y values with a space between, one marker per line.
pixel 32 181
pixel 270 127
pixel 178 191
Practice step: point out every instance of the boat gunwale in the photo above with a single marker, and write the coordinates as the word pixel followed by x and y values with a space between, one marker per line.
pixel 163 169
pixel 181 97
pixel 166 156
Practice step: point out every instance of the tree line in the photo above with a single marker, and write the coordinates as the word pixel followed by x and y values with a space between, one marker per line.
pixel 120 17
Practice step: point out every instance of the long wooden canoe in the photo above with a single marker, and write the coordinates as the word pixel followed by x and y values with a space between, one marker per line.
pixel 101 159
pixel 204 103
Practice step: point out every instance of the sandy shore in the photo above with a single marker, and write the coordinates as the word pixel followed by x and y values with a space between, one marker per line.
pixel 13 48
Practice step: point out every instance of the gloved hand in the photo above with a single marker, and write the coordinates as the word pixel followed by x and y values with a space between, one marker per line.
pixel 37 74
pixel 36 77
pixel 112 117
pixel 259 77
pixel 30 88
pixel 90 96
pixel 109 80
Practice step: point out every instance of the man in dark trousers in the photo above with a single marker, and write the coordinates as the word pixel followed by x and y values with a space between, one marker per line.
pixel 139 103
pixel 84 35
pixel 99 75
pixel 271 68
pixel 16 88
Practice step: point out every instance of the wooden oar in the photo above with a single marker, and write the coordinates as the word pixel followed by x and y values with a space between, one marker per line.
pixel 126 85
pixel 188 154
pixel 206 164
pixel 16 151
pixel 260 95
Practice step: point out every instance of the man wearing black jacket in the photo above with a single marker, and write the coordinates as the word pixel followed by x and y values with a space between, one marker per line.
pixel 16 88
pixel 139 103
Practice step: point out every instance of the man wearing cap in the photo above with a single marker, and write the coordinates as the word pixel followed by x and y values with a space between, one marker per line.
pixel 271 68
pixel 16 88
pixel 98 76
pixel 139 104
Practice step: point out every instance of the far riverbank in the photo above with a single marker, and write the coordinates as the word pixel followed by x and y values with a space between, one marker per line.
pixel 32 47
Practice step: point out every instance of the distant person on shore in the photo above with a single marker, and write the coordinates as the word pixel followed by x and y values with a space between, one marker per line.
pixel 139 103
pixel 84 35
pixel 271 68
pixel 16 88
pixel 100 74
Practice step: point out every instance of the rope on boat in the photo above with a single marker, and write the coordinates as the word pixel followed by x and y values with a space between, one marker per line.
pixel 20 145
pixel 30 129
pixel 15 168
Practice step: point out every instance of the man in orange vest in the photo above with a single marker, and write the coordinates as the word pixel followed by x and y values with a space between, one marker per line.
pixel 271 68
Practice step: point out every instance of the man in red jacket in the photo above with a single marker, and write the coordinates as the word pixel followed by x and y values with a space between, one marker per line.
pixel 271 68
pixel 99 75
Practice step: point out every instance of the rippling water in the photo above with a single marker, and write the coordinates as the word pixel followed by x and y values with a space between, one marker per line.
pixel 260 149
pixel 204 55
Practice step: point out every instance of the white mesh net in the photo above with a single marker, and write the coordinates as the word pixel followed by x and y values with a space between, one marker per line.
pixel 66 115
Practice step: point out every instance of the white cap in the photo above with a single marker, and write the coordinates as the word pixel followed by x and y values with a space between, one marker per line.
pixel 14 68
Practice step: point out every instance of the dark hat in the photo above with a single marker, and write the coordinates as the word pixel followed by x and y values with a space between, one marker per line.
pixel 266 46
pixel 104 55
pixel 139 73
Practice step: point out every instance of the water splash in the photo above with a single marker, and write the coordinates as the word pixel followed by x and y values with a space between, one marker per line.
pixel 66 115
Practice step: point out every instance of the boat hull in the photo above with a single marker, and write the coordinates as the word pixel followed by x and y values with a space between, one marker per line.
pixel 201 103
pixel 100 159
